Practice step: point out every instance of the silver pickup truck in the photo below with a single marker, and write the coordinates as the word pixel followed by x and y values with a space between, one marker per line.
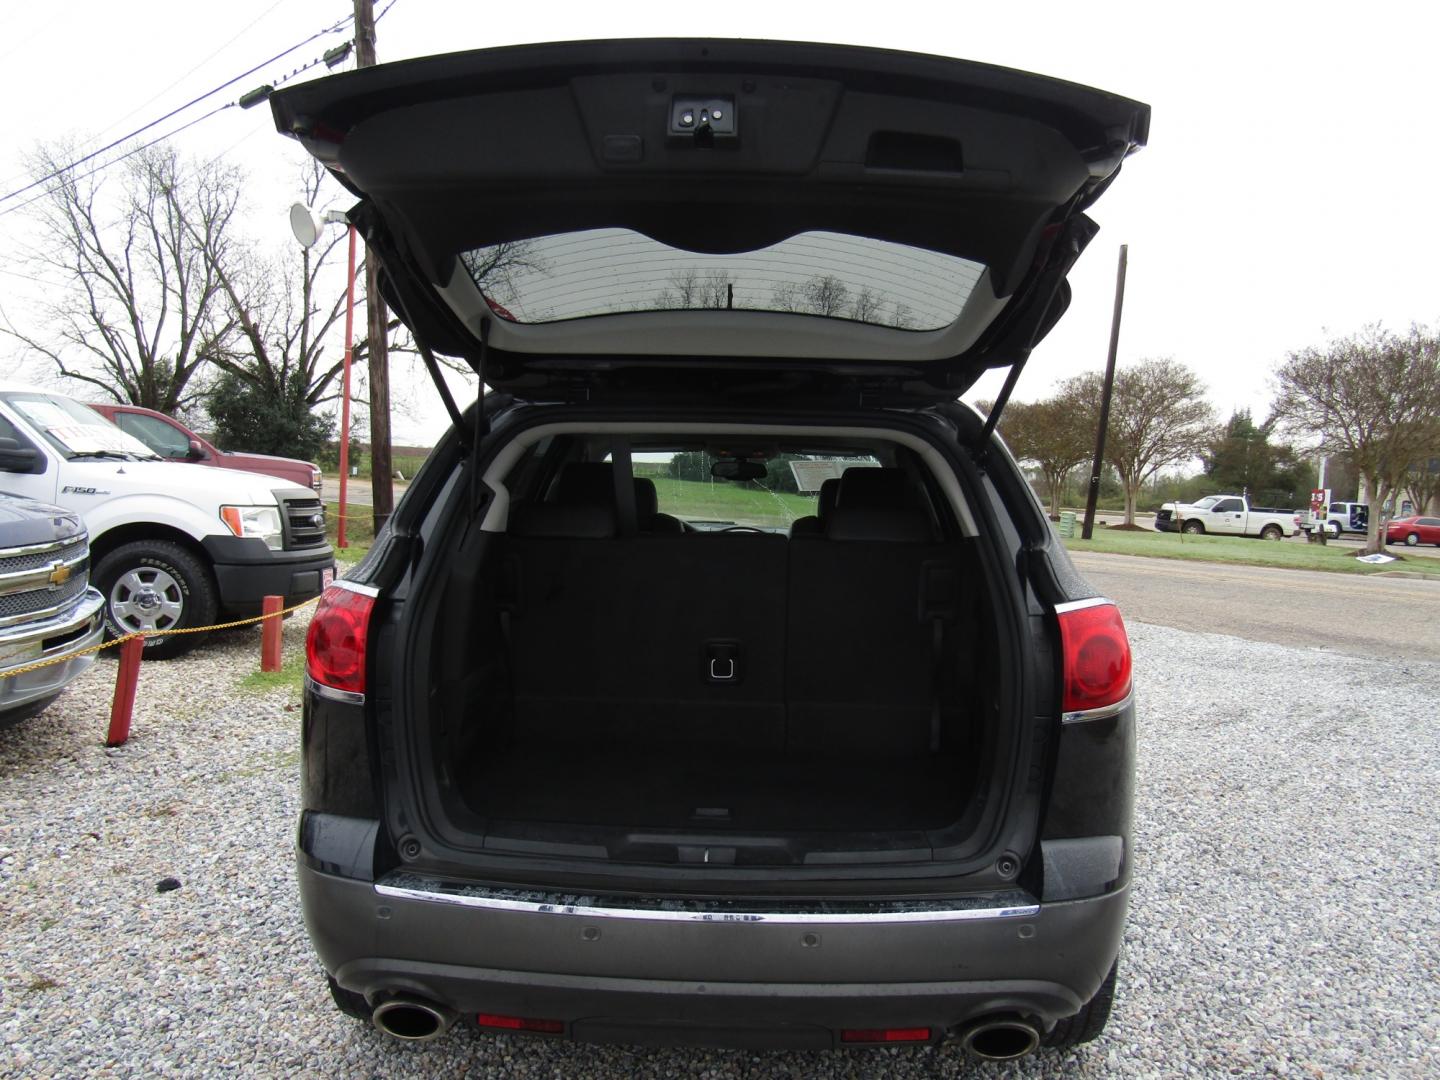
pixel 1226 515
pixel 47 608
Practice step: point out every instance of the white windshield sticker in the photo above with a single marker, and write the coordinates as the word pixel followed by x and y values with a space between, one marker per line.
pixel 45 414
pixel 97 438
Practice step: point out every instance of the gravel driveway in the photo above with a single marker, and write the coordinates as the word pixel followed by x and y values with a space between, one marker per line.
pixel 1286 916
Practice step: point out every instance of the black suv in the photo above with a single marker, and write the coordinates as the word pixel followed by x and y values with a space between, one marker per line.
pixel 719 679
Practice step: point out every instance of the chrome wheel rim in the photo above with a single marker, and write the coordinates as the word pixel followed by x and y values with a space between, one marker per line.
pixel 147 599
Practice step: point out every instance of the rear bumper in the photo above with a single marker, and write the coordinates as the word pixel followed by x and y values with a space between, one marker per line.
pixel 733 982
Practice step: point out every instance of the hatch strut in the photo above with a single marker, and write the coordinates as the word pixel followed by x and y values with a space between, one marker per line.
pixel 996 409
pixel 432 367
pixel 470 446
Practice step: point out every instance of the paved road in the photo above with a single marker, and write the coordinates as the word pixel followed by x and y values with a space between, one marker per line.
pixel 358 493
pixel 1362 616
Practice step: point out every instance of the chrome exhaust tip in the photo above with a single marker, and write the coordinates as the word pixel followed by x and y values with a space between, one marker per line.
pixel 999 1038
pixel 412 1019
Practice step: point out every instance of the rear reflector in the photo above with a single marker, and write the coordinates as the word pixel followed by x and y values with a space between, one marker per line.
pixel 335 642
pixel 1097 657
pixel 520 1023
pixel 884 1035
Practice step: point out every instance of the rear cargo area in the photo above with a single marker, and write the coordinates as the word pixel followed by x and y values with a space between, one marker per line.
pixel 671 687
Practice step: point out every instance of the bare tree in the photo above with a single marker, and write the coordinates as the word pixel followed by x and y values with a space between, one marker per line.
pixel 138 313
pixel 1158 417
pixel 690 290
pixel 1375 395
pixel 283 309
pixel 1054 435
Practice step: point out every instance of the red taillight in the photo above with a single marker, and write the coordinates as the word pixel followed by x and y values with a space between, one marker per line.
pixel 1097 657
pixel 335 642
pixel 520 1023
pixel 884 1035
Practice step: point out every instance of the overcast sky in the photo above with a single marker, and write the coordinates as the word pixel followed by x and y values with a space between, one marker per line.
pixel 1288 189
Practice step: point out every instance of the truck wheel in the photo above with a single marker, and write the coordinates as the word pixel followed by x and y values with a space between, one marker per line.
pixel 1411 539
pixel 1272 532
pixel 156 585
pixel 1089 1022
pixel 1333 528
pixel 1194 528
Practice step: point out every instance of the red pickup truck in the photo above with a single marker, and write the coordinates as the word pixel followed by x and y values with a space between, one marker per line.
pixel 173 440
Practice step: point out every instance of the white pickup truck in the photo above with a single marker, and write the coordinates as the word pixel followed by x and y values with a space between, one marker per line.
pixel 171 546
pixel 1226 515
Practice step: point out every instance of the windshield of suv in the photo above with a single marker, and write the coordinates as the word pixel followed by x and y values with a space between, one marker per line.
pixel 610 271
pixel 75 430
pixel 790 489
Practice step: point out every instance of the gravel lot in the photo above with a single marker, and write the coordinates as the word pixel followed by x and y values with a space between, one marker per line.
pixel 1286 916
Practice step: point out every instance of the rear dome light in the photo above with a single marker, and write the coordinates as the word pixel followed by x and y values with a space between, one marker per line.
pixel 335 642
pixel 1097 657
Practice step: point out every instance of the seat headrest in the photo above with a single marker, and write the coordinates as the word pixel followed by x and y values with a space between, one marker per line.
pixel 878 504
pixel 559 520
pixel 876 489
pixel 647 503
pixel 829 493
pixel 592 483
pixel 585 483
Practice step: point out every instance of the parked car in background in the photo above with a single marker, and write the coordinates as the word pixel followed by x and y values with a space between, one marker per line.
pixel 1342 517
pixel 173 441
pixel 608 772
pixel 1413 530
pixel 1226 515
pixel 173 546
pixel 47 608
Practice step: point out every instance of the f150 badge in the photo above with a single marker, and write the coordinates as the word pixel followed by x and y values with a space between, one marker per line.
pixel 70 489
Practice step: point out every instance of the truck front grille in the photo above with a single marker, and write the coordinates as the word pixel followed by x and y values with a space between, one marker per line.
pixel 64 551
pixel 46 593
pixel 304 522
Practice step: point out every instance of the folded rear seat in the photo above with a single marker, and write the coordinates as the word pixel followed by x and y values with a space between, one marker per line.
pixel 868 614
pixel 656 638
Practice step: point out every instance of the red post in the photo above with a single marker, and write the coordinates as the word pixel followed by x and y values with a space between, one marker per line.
pixel 345 394
pixel 270 633
pixel 126 680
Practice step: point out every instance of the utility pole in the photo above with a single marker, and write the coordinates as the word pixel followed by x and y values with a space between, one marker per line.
pixel 1094 493
pixel 378 333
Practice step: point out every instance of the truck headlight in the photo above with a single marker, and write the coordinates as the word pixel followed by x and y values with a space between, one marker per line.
pixel 262 522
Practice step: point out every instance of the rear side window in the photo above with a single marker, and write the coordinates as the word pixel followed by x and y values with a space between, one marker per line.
pixel 159 436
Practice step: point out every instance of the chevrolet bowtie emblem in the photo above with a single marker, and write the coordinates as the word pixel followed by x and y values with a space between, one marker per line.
pixel 59 574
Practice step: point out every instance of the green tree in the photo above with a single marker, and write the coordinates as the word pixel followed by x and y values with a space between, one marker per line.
pixel 1158 418
pixel 249 418
pixel 1055 435
pixel 1243 458
pixel 1374 395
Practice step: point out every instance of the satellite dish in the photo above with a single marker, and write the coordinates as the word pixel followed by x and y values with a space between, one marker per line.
pixel 305 225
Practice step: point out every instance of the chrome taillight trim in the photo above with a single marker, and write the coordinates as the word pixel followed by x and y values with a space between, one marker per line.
pixel 356 587
pixel 1081 605
pixel 330 693
pixel 1104 712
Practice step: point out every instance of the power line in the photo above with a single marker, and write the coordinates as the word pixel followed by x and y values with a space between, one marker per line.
pixel 113 161
pixel 161 138
pixel 234 38
pixel 194 101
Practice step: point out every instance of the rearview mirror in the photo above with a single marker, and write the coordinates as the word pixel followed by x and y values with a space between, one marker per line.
pixel 738 469
pixel 195 452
